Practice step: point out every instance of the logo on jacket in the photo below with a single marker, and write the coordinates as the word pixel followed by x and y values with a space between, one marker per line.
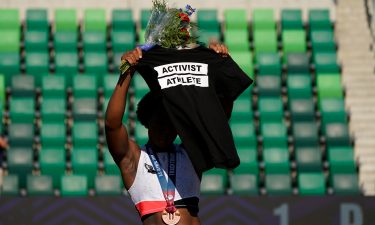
pixel 150 169
pixel 186 74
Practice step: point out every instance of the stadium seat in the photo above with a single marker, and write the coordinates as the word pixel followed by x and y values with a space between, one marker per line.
pixel 39 185
pixel 96 63
pixel 85 109
pixel 245 60
pixel 265 41
pixel 268 64
pixel 329 86
pixel 36 41
pixel 269 85
pixel 52 163
pixel 10 185
pixel 20 162
pixel 242 110
pixel 89 138
pixel 21 134
pixel 249 161
pixel 311 183
pixel 305 134
pixel 263 19
pixel 298 63
pixel 237 40
pixel 145 16
pixel 2 90
pixel 294 41
pixel 302 110
pixel 323 41
pixel 37 63
pixel 108 185
pixel 291 19
pixel 319 19
pixel 278 184
pixel 345 184
pixel 10 19
pixel 95 20
pixel 23 86
pixel 332 110
pixel 37 20
pixel 235 19
pixel 85 162
pixel 122 20
pixel 341 160
pixel 214 182
pixel 123 41
pixel 53 109
pixel 326 62
pixel 274 134
pixel 206 37
pixel 110 166
pixel 94 42
pixel 54 86
pixel 276 160
pixel 9 65
pixel 270 109
pixel 299 86
pixel 74 185
pixel 66 20
pixel 53 134
pixel 207 20
pixel 309 159
pixel 66 63
pixel 243 133
pixel 244 184
pixel 66 41
pixel 84 85
pixel 109 84
pixel 22 110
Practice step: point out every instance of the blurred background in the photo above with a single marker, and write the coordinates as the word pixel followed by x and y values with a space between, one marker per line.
pixel 306 127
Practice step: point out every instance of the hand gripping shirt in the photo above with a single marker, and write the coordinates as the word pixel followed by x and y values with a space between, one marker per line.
pixel 192 82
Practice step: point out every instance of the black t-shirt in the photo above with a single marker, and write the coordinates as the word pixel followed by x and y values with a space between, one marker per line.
pixel 192 82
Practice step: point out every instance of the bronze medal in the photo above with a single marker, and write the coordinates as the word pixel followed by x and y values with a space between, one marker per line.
pixel 171 218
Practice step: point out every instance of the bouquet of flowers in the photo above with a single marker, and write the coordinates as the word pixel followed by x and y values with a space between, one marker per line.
pixel 167 27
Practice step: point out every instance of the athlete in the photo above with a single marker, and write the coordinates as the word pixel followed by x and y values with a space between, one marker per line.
pixel 159 176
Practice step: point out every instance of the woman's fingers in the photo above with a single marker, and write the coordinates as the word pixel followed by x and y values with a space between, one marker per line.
pixel 132 56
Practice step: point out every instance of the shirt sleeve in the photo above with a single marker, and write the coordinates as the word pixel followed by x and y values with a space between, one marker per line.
pixel 230 80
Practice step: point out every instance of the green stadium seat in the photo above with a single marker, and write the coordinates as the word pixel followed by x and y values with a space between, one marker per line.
pixel 305 134
pixel 309 159
pixel 9 65
pixel 53 134
pixel 270 109
pixel 84 85
pixel 2 89
pixel 22 110
pixel 95 20
pixel 298 63
pixel 326 62
pixel 122 41
pixel 243 133
pixel 263 19
pixel 235 19
pixel 291 19
pixel 242 110
pixel 74 185
pixel 39 185
pixel 244 184
pixel 109 84
pixel 269 85
pixel 85 162
pixel 323 41
pixel 207 20
pixel 37 20
pixel 145 16
pixel 89 138
pixel 332 110
pixel 278 184
pixel 214 182
pixel 299 86
pixel 53 109
pixel 329 86
pixel 140 133
pixel 66 20
pixel 276 160
pixel 85 109
pixel 274 134
pixel 268 64
pixel 96 63
pixel 20 162
pixel 110 166
pixel 345 184
pixel 265 41
pixel 23 86
pixel 311 183
pixel 341 160
pixel 249 161
pixel 21 134
pixel 141 38
pixel 10 41
pixel 212 36
pixel 36 41
pixel 108 185
pixel 66 63
pixel 10 185
pixel 319 19
pixel 245 61
pixel 52 163
pixel 94 42
pixel 294 41
pixel 10 19
pixel 237 40
pixel 54 86
pixel 37 63
pixel 302 110
pixel 122 20
pixel 116 59
pixel 66 41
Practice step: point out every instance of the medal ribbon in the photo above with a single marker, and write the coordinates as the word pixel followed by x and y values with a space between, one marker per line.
pixel 168 187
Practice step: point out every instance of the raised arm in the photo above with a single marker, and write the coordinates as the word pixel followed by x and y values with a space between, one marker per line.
pixel 124 151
